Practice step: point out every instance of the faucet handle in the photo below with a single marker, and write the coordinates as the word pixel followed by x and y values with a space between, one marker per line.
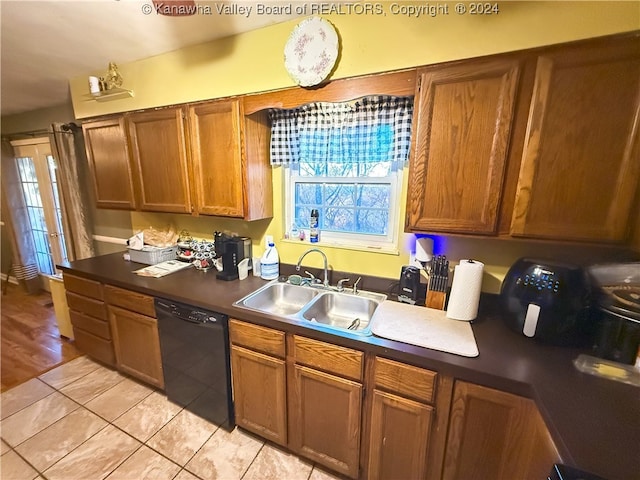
pixel 312 278
pixel 341 284
pixel 355 285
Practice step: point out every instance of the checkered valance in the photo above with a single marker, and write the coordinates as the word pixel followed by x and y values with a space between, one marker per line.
pixel 371 129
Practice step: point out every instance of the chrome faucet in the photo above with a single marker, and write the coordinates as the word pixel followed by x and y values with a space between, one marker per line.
pixel 324 257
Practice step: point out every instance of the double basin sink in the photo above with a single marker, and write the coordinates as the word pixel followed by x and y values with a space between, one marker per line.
pixel 315 306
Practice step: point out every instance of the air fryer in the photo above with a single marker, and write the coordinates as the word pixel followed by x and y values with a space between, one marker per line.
pixel 548 301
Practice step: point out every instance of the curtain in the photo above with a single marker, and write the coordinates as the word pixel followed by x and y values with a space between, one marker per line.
pixel 67 145
pixel 371 129
pixel 14 213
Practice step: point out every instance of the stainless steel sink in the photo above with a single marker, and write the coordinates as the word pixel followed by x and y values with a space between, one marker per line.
pixel 279 299
pixel 315 307
pixel 339 310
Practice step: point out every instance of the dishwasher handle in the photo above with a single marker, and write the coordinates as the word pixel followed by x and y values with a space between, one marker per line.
pixel 189 314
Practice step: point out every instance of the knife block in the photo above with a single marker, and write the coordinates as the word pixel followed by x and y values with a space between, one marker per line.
pixel 436 300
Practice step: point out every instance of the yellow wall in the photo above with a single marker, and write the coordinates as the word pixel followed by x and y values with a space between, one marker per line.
pixel 253 62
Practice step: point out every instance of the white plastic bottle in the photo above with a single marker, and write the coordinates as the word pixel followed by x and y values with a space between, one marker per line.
pixel 270 262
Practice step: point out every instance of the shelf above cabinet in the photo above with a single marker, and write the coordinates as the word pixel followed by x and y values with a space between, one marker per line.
pixel 113 94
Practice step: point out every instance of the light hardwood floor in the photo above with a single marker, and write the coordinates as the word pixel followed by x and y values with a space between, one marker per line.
pixel 30 343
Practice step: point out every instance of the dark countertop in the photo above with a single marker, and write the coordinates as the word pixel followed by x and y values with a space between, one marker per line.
pixel 594 422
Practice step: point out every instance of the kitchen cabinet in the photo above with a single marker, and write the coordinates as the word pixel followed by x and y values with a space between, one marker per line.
pixel 159 155
pixel 230 162
pixel 580 166
pixel 259 380
pixel 497 435
pixel 88 314
pixel 462 127
pixel 135 334
pixel 401 409
pixel 325 403
pixel 110 163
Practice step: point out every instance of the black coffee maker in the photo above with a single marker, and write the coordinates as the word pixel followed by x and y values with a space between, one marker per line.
pixel 232 250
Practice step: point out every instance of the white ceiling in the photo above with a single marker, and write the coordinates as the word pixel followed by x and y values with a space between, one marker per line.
pixel 45 43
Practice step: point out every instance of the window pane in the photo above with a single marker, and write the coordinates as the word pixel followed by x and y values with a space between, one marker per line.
pixel 372 221
pixel 374 196
pixel 339 220
pixel 309 194
pixel 339 194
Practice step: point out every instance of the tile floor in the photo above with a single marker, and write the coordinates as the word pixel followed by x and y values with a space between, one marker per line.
pixel 85 421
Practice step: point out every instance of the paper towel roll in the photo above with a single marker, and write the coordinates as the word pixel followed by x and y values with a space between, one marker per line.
pixel 465 290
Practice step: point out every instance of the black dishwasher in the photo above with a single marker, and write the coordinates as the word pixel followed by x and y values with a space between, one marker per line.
pixel 194 345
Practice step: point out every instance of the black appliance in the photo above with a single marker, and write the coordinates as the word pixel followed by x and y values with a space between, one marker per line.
pixel 232 250
pixel 410 288
pixel 194 346
pixel 617 335
pixel 548 301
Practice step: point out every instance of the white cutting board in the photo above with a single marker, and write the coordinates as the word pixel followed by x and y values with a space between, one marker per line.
pixel 424 327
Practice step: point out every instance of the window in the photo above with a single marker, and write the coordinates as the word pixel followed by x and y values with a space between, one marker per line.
pixel 345 160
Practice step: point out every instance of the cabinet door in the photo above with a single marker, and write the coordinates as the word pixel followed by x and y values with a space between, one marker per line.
pixel 137 345
pixel 464 115
pixel 160 158
pixel 324 419
pixel 110 163
pixel 580 167
pixel 394 420
pixel 492 434
pixel 217 160
pixel 259 393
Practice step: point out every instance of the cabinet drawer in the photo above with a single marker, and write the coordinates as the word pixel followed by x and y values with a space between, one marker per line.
pixel 90 324
pixel 405 380
pixel 92 307
pixel 96 347
pixel 83 286
pixel 134 301
pixel 341 361
pixel 255 337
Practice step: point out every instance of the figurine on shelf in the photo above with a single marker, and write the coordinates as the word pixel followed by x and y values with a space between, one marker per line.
pixel 113 78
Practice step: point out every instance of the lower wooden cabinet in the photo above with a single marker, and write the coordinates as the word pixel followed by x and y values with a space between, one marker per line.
pixel 399 438
pixel 137 345
pixel 324 417
pixel 259 393
pixel 497 435
pixel 259 376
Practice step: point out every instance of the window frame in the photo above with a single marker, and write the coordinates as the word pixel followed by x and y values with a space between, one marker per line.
pixel 365 242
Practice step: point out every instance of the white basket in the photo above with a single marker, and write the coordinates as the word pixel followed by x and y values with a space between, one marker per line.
pixel 152 255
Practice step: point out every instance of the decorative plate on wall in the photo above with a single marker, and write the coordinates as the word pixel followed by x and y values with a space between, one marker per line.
pixel 311 51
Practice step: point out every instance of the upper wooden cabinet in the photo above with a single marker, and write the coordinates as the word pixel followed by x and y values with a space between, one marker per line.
pixel 110 163
pixel 539 144
pixel 204 158
pixel 580 166
pixel 464 114
pixel 160 158
pixel 230 158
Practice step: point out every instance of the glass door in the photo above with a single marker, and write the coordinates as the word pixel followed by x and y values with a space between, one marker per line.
pixel 40 187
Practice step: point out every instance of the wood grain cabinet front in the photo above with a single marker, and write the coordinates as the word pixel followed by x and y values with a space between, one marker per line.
pixel 137 345
pixel 325 403
pixel 401 408
pixel 110 163
pixel 580 168
pixel 497 435
pixel 258 372
pixel 159 153
pixel 231 174
pixel 88 314
pixel 462 127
